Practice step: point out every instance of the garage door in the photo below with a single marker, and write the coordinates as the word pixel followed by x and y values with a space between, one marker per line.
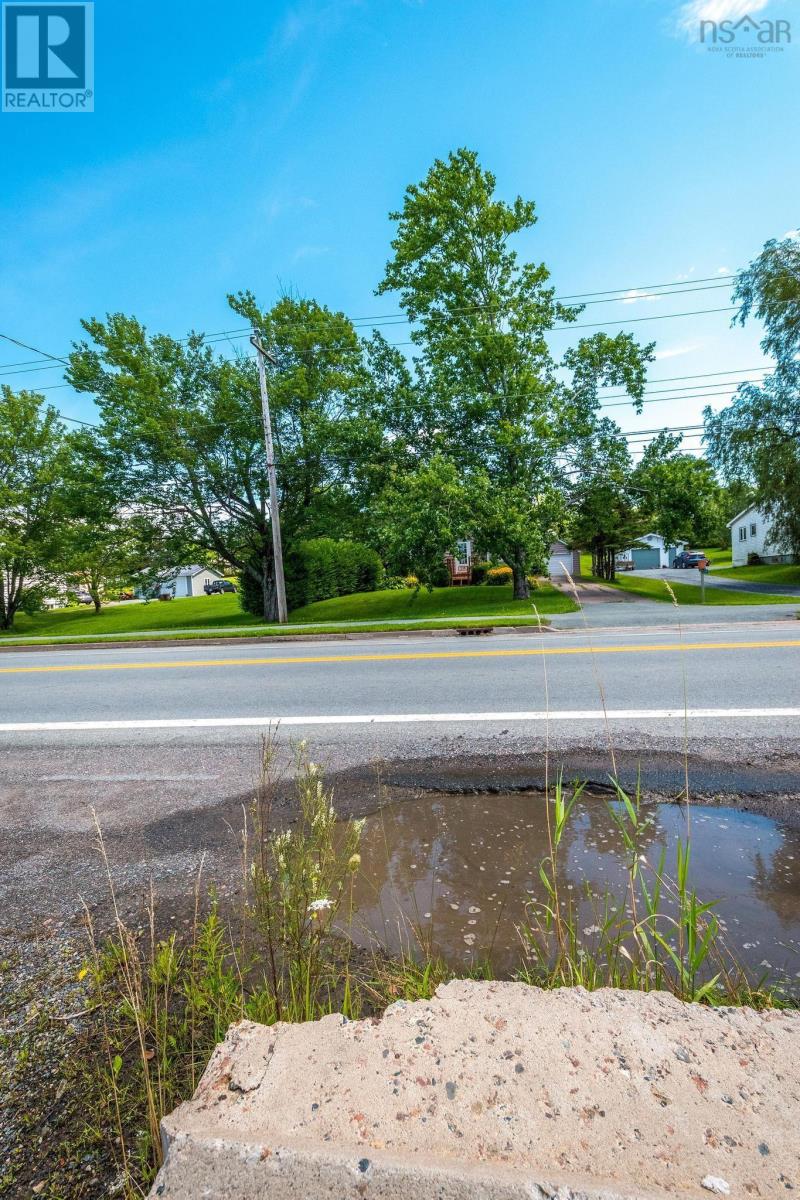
pixel 646 560
pixel 556 564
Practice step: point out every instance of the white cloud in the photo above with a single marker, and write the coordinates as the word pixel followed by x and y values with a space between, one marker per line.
pixel 634 295
pixel 692 13
pixel 723 270
pixel 677 351
pixel 791 233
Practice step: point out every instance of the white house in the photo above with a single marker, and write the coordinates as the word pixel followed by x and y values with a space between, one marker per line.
pixel 751 533
pixel 656 554
pixel 183 581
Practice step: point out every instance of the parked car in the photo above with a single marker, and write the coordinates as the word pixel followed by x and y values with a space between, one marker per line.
pixel 126 596
pixel 690 558
pixel 217 586
pixel 83 598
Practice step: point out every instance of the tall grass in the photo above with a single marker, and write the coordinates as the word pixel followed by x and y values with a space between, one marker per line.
pixel 655 934
pixel 161 1006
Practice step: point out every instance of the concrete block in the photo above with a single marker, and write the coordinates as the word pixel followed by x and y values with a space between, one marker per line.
pixel 497 1091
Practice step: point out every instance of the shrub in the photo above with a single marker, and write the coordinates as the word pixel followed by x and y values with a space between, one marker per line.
pixel 394 583
pixel 324 567
pixel 411 582
pixel 440 577
pixel 753 559
pixel 534 582
pixel 497 576
pixel 251 592
pixel 480 571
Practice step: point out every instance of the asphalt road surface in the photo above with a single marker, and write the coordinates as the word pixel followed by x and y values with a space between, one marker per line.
pixel 735 679
pixel 718 580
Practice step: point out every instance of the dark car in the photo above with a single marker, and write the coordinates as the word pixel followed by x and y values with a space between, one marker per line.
pixel 690 558
pixel 217 586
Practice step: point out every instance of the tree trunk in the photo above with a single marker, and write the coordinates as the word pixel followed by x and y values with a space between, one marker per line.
pixel 604 563
pixel 522 589
pixel 268 587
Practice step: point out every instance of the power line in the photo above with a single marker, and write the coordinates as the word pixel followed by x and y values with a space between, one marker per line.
pixel 617 294
pixel 34 350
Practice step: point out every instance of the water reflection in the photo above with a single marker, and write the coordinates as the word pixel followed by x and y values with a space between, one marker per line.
pixel 461 869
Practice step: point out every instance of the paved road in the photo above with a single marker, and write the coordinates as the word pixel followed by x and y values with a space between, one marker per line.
pixel 436 680
pixel 717 580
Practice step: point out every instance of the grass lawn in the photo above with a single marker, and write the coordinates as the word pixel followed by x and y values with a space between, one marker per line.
pixel 688 593
pixel 770 573
pixel 216 613
pixel 718 556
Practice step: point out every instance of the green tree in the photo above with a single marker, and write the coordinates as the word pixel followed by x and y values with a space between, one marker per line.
pixel 606 514
pixel 107 545
pixel 33 454
pixel 183 430
pixel 421 515
pixel 679 491
pixel 755 440
pixel 495 398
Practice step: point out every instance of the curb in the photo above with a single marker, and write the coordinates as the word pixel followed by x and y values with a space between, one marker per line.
pixel 277 639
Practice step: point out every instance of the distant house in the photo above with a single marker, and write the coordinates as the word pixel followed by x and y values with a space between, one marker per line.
pixel 182 581
pixel 751 533
pixel 654 555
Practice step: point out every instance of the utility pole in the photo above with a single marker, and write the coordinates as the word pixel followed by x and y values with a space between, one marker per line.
pixel 274 516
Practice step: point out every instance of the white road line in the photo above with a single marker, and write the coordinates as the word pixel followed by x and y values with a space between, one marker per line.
pixel 614 714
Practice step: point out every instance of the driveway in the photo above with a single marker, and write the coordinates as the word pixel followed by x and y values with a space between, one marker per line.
pixel 719 581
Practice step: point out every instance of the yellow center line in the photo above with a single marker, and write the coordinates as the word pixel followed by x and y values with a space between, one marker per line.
pixel 400 656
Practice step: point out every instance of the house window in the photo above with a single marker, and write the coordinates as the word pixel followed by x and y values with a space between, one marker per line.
pixel 742 533
pixel 752 531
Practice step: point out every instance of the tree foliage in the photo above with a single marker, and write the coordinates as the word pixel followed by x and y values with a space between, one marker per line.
pixel 184 434
pixel 499 407
pixel 755 440
pixel 606 512
pixel 421 515
pixel 679 492
pixel 33 456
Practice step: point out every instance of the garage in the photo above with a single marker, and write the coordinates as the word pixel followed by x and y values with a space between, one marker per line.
pixel 562 560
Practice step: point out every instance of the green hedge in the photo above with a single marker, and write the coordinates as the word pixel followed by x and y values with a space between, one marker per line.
pixel 323 567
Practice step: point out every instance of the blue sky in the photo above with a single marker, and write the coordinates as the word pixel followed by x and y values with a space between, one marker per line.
pixel 263 146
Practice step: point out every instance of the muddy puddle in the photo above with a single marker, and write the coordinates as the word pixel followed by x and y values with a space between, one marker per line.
pixel 463 868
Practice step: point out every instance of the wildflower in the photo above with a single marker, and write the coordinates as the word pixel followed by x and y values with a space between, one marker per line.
pixel 354 862
pixel 319 905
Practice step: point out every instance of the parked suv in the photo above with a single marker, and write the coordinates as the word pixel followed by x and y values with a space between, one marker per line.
pixel 690 558
pixel 217 586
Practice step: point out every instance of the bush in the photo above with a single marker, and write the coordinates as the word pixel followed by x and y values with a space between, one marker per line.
pixel 753 559
pixel 480 571
pixel 497 576
pixel 324 567
pixel 394 583
pixel 411 582
pixel 440 577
